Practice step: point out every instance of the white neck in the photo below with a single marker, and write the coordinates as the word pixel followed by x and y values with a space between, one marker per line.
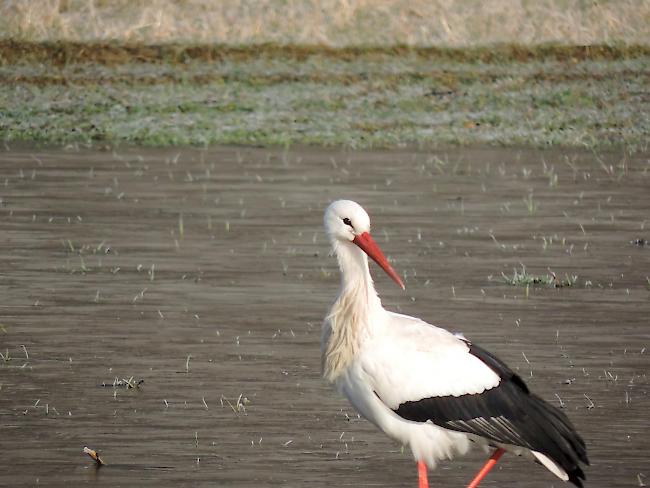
pixel 351 314
pixel 355 274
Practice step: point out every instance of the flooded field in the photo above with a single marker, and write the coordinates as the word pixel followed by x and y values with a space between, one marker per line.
pixel 200 278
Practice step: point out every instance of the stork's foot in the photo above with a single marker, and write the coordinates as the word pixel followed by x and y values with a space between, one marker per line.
pixel 489 464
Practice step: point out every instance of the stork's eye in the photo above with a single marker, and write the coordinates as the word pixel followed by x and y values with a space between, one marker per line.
pixel 347 221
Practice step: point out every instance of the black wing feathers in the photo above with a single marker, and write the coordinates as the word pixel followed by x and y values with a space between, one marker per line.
pixel 506 414
pixel 496 365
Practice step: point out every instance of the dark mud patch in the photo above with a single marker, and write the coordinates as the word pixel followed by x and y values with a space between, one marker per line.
pixel 206 273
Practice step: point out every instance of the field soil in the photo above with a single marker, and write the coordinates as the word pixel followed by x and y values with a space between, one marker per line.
pixel 164 307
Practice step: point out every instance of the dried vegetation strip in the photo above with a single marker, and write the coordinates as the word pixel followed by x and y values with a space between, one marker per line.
pixel 459 23
pixel 62 53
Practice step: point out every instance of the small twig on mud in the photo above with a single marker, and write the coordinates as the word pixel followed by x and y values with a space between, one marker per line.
pixel 639 478
pixel 240 404
pixel 93 454
pixel 128 383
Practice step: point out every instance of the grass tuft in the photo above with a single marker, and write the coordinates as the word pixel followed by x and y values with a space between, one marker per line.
pixel 524 278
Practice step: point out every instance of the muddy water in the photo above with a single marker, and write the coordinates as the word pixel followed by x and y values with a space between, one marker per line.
pixel 206 274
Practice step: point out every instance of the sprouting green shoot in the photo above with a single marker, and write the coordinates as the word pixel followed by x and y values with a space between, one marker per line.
pixel 524 278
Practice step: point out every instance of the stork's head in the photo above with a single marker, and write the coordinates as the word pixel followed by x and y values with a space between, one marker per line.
pixel 346 222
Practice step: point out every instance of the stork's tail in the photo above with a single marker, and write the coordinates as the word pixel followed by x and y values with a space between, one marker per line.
pixel 555 442
pixel 567 448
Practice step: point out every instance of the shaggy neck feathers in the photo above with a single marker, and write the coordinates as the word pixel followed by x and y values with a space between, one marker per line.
pixel 349 316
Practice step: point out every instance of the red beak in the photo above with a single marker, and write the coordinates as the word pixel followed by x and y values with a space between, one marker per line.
pixel 370 247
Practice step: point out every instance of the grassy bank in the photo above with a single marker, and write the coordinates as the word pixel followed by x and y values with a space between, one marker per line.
pixel 547 95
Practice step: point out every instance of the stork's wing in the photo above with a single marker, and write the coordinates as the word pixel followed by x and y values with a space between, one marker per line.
pixel 411 360
pixel 479 395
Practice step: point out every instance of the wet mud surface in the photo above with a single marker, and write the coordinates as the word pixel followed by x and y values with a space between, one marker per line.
pixel 206 274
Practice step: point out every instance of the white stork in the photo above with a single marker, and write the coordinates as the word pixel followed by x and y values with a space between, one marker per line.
pixel 423 386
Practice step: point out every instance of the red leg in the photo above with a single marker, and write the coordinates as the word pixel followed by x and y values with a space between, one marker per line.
pixel 422 475
pixel 489 464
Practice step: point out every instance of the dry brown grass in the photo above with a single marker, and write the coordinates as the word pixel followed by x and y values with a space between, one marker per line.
pixel 330 22
pixel 63 53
